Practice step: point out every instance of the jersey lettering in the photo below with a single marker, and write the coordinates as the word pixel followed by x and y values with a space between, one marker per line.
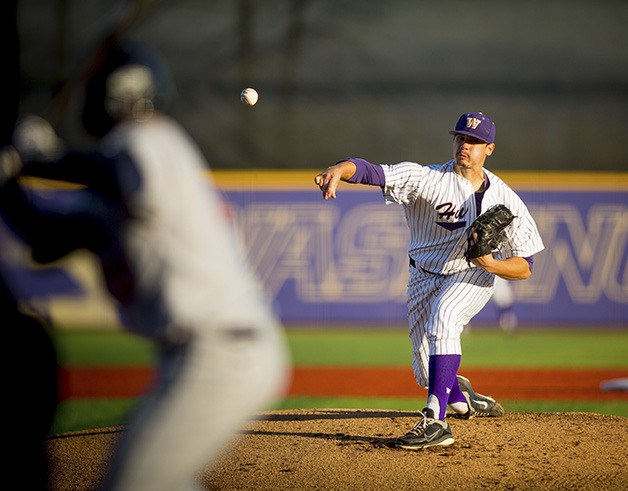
pixel 448 212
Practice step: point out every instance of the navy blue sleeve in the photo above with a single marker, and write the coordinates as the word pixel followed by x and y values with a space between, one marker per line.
pixel 115 178
pixel 88 218
pixel 367 173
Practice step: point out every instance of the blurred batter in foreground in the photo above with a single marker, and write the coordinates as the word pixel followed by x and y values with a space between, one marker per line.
pixel 169 258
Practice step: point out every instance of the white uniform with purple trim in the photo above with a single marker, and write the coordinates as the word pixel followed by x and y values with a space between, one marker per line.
pixel 444 290
pixel 223 355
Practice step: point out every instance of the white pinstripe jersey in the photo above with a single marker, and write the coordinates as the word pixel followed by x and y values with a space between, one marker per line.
pixel 440 205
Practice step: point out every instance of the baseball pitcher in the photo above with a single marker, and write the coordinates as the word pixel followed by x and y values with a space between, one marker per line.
pixel 466 227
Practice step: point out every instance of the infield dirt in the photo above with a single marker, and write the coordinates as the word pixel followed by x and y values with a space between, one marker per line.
pixel 349 449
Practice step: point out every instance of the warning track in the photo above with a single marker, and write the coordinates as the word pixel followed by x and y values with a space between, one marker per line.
pixel 505 384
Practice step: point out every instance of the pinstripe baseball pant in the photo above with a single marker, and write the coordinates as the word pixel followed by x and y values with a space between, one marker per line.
pixel 439 306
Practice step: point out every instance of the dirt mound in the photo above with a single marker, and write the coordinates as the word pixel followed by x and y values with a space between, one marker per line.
pixel 347 449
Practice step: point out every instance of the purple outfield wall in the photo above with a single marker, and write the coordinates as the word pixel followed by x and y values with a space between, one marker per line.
pixel 344 261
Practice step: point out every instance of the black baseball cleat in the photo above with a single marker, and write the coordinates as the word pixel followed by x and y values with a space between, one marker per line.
pixel 428 432
pixel 479 405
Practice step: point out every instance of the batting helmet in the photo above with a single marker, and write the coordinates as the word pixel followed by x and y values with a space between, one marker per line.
pixel 131 82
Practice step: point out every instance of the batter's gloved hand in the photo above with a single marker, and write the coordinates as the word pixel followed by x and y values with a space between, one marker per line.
pixel 35 140
pixel 486 233
pixel 10 164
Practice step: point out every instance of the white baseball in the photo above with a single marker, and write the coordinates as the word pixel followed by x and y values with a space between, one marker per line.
pixel 249 96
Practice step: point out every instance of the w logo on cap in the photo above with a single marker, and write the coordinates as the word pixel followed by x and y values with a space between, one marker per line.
pixel 477 125
pixel 473 122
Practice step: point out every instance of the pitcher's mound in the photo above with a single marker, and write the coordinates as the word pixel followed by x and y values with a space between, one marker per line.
pixel 347 449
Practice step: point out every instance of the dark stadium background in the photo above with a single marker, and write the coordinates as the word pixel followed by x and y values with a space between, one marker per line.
pixel 384 80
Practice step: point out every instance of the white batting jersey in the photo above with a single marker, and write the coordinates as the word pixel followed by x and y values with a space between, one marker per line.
pixel 440 205
pixel 182 247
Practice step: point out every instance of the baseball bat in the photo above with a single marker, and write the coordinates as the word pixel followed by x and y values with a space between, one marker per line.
pixel 125 15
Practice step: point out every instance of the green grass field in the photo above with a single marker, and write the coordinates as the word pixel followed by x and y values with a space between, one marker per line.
pixel 358 347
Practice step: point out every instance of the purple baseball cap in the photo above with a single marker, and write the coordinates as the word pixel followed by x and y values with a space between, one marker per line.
pixel 476 125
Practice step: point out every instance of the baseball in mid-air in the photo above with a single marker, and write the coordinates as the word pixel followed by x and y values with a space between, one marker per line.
pixel 249 96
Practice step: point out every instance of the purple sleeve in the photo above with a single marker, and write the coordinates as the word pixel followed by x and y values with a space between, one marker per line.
pixel 367 173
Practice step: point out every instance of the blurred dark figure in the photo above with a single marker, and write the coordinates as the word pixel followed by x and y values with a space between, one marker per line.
pixel 32 390
pixel 31 366
pixel 10 56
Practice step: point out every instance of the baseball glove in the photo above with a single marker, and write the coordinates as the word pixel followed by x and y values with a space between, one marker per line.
pixel 486 233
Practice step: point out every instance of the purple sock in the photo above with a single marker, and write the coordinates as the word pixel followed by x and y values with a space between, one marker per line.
pixel 456 394
pixel 442 380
